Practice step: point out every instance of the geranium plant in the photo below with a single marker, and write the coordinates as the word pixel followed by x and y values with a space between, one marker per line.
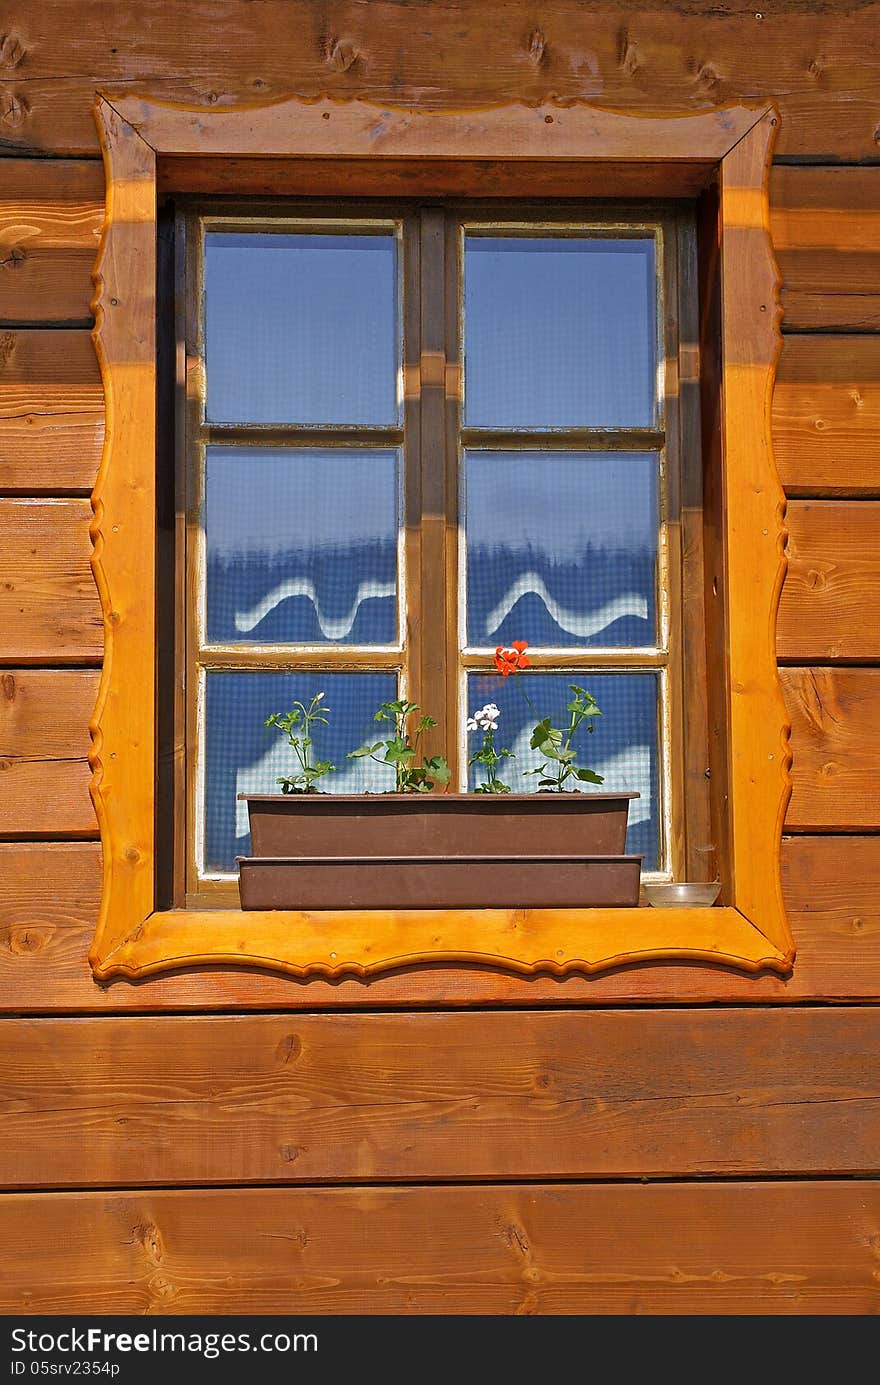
pixel 554 743
pixel 488 755
pixel 297 725
pixel 400 750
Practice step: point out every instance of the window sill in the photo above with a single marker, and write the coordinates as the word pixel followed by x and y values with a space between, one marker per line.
pixel 363 943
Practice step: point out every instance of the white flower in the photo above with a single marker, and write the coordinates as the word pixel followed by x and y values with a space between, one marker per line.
pixel 484 719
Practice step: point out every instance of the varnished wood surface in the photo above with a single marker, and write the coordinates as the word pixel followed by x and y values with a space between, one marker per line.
pixel 831 595
pixel 44 743
pixel 836 767
pixel 392 1098
pixel 50 221
pixel 766 1248
pixel 49 611
pixel 820 62
pixel 825 224
pixel 826 234
pixel 51 411
pixel 49 902
pixel 826 415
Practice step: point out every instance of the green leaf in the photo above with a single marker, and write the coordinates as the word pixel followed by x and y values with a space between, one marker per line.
pixel 397 752
pixel 363 750
pixel 589 776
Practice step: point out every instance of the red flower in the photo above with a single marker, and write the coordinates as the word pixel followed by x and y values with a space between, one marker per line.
pixel 508 661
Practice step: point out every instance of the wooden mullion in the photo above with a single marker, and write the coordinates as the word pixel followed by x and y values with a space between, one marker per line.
pixel 455 595
pixel 566 439
pixel 433 467
pixel 336 658
pixel 293 435
pixel 411 632
pixel 479 660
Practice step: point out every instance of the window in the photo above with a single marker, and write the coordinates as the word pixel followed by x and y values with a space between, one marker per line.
pixel 366 529
pixel 616 432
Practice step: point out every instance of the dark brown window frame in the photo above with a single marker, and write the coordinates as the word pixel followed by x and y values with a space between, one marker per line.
pixel 432 436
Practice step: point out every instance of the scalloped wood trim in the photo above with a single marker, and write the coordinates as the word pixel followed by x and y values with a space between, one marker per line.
pixel 363 943
pixel 131 939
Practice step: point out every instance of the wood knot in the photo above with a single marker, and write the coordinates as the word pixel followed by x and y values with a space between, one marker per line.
pixel 537 48
pixel 289 1049
pixel 816 67
pixel 12 50
pixel 707 76
pixel 341 54
pixel 14 110
pixel 7 684
pixel 14 260
pixel 628 59
pixel 290 1153
pixel 26 940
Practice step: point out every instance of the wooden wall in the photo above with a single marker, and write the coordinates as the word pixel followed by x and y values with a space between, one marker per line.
pixel 668 1139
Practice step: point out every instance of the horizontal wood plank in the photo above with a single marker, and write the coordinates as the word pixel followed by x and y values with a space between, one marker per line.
pixel 51 411
pixel 826 415
pixel 51 211
pixel 49 608
pixel 820 64
pixel 831 594
pixel 393 1098
pixel 49 897
pixel 782 1248
pixel 836 769
pixel 44 743
pixel 826 232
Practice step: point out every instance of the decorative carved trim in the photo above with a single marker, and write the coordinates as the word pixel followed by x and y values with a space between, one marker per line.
pixel 132 939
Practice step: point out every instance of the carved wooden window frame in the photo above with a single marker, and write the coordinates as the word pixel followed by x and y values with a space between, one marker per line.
pixel 321 143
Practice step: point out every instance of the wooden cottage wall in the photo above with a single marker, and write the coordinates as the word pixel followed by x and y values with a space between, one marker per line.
pixel 663 1139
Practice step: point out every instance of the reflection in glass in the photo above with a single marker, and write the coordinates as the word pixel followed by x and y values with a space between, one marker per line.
pixel 561 548
pixel 559 332
pixel 241 755
pixel 301 546
pixel 622 748
pixel 301 328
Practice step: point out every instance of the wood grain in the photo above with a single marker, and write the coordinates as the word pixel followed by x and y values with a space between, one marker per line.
pixel 49 611
pixel 51 212
pixel 49 903
pixel 51 411
pixel 774 1247
pixel 836 765
pixel 826 415
pixel 826 233
pixel 44 743
pixel 832 589
pixel 820 62
pixel 393 1098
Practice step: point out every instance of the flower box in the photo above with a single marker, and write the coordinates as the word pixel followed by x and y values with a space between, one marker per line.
pixel 479 850
pixel 455 882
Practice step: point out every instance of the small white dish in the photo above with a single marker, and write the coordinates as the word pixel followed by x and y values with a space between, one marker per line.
pixel 682 894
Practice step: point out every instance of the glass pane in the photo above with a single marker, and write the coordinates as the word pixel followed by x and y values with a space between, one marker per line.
pixel 622 748
pixel 559 332
pixel 301 328
pixel 301 546
pixel 242 755
pixel 561 548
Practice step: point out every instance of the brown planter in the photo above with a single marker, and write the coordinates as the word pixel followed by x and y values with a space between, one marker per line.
pixel 439 851
pixel 463 882
pixel 438 825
